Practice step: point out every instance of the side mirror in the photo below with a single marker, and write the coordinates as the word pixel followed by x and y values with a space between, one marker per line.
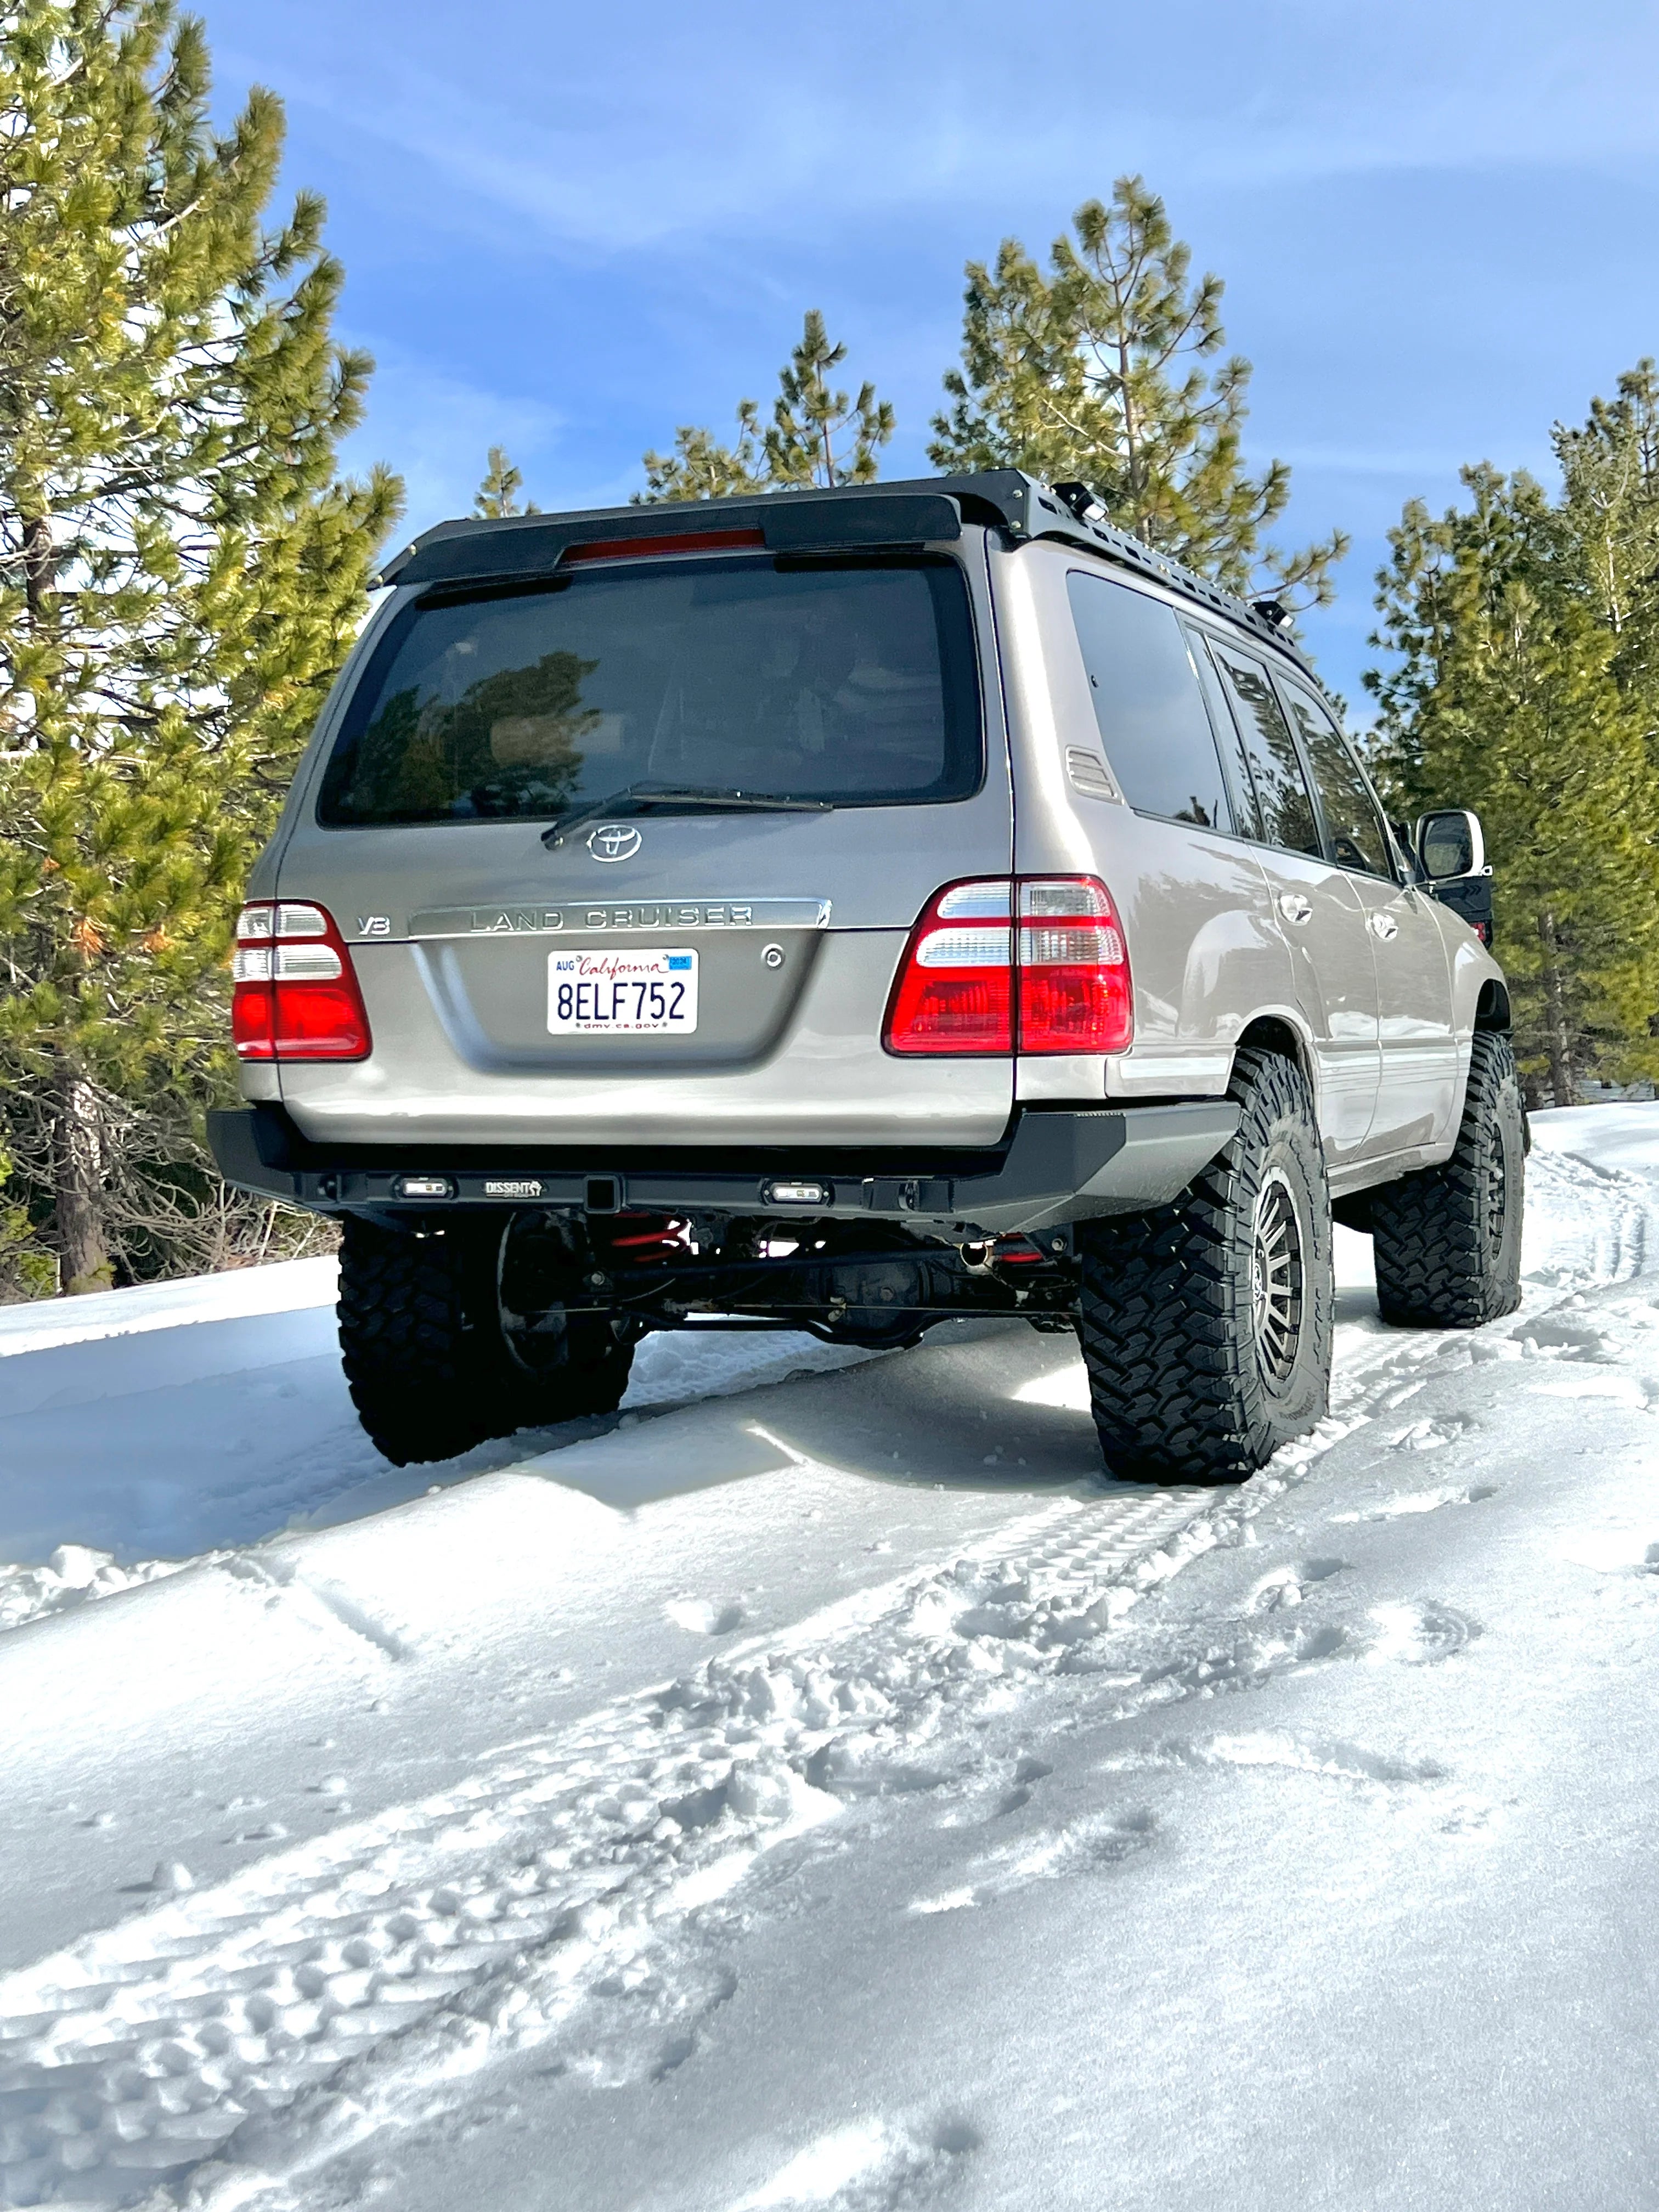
pixel 1406 849
pixel 1449 844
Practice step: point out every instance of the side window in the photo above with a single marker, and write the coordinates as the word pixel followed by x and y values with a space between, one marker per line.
pixel 1246 813
pixel 1357 837
pixel 1287 815
pixel 1147 702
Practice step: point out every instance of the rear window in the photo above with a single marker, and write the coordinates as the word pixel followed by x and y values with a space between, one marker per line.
pixel 853 682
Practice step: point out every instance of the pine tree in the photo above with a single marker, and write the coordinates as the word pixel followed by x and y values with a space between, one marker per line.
pixel 699 467
pixel 1503 696
pixel 1101 372
pixel 809 418
pixel 1610 477
pixel 498 494
pixel 181 573
pixel 817 435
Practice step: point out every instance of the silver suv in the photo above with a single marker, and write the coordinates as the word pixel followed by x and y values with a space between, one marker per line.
pixel 846 910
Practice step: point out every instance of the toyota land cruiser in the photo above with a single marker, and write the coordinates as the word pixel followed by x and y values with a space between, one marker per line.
pixel 842 911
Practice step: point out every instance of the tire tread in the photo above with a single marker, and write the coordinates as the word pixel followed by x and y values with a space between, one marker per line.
pixel 1427 1238
pixel 1167 1335
pixel 425 1359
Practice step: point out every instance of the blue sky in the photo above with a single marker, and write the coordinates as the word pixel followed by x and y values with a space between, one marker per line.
pixel 569 229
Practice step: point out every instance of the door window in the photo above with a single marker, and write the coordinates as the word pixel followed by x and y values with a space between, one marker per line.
pixel 1351 815
pixel 1287 815
pixel 1147 703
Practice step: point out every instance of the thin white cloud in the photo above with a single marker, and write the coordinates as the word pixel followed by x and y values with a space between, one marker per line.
pixel 609 139
pixel 436 431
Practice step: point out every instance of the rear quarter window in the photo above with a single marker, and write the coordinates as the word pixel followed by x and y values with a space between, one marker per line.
pixel 1151 715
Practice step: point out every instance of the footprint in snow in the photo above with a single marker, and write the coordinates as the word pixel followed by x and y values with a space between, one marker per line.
pixel 1565 1340
pixel 1090 1845
pixel 1419 1632
pixel 1433 1435
pixel 1027 1771
pixel 1289 1586
pixel 702 1617
pixel 1250 1661
pixel 1612 1552
pixel 873 2165
pixel 1421 1501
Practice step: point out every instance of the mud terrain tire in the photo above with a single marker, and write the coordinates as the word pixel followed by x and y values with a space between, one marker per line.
pixel 428 1365
pixel 1447 1241
pixel 1202 1360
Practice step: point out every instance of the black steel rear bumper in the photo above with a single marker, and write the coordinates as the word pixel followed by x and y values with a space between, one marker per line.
pixel 1057 1165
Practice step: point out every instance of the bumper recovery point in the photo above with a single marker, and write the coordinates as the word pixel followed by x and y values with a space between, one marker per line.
pixel 1059 1165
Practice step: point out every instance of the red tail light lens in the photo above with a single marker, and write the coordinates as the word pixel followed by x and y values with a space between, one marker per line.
pixel 295 994
pixel 1074 989
pixel 955 990
pixel 1037 964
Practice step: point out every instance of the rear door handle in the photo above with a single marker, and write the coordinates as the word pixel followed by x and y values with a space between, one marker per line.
pixel 1385 926
pixel 1294 907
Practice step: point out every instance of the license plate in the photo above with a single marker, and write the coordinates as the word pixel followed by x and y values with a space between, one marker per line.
pixel 618 993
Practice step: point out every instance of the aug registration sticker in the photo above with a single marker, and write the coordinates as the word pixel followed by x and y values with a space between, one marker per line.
pixel 622 993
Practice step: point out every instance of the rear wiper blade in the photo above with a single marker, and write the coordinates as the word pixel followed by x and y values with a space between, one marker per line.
pixel 635 798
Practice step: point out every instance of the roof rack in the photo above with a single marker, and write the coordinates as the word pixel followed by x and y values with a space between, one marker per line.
pixel 910 511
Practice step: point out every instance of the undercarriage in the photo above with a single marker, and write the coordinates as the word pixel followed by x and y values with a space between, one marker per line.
pixel 860 1283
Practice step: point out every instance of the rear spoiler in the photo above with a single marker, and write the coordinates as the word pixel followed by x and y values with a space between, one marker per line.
pixel 785 522
pixel 913 511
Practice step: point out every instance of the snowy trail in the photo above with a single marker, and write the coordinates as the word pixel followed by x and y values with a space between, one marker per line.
pixel 243 1372
pixel 495 1825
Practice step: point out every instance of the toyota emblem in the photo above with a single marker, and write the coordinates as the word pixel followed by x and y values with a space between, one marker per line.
pixel 613 841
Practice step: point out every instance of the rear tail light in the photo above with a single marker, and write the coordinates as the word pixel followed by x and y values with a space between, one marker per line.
pixel 955 990
pixel 1032 964
pixel 295 995
pixel 1074 991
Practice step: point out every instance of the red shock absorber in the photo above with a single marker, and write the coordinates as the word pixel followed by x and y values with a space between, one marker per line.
pixel 667 1235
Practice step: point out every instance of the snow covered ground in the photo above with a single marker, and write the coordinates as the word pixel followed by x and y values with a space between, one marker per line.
pixel 818 1787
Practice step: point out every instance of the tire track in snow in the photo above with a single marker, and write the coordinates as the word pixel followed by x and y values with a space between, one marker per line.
pixel 1608 1210
pixel 1611 1212
pixel 221 2047
pixel 253 2034
pixel 491 1912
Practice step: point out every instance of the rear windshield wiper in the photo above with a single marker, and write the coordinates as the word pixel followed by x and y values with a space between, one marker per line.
pixel 635 798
